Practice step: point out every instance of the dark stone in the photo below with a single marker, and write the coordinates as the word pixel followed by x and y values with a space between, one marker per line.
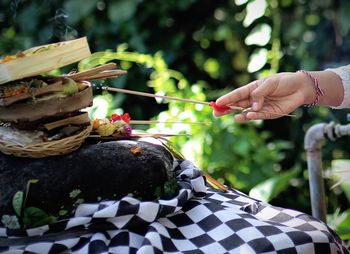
pixel 107 170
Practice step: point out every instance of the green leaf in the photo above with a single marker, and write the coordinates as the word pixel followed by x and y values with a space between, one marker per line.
pixel 62 212
pixel 341 223
pixel 45 221
pixel 170 188
pixel 35 217
pixel 31 181
pixel 70 87
pixel 346 222
pixel 267 190
pixel 17 202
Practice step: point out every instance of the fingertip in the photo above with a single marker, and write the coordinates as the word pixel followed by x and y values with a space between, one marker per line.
pixel 252 116
pixel 217 114
pixel 220 101
pixel 240 118
pixel 257 116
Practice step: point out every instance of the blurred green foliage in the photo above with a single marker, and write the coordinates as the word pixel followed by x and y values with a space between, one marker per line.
pixel 200 50
pixel 225 149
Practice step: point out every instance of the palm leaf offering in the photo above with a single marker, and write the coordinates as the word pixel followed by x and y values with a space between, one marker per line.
pixel 42 59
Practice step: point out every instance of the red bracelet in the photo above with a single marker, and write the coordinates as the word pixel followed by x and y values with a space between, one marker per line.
pixel 319 91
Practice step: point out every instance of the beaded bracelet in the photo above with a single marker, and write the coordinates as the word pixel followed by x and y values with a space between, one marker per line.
pixel 319 91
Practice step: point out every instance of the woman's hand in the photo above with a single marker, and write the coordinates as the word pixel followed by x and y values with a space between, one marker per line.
pixel 280 93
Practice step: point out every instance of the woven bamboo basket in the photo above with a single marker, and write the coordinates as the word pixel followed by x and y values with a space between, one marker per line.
pixel 45 149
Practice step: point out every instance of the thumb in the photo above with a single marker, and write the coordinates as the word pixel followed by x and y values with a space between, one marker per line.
pixel 264 89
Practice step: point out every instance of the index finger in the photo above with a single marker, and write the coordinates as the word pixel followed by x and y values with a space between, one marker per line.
pixel 239 94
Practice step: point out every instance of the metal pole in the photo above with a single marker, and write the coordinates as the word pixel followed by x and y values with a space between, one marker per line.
pixel 313 140
pixel 313 143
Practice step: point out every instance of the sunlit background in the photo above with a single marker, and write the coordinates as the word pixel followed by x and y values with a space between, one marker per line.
pixel 201 49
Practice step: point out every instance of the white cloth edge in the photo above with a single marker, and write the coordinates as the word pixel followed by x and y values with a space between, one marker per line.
pixel 344 73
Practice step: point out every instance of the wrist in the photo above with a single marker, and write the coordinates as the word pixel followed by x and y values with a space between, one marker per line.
pixel 322 87
pixel 310 88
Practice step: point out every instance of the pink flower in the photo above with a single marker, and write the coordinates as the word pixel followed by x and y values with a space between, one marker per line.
pixel 127 130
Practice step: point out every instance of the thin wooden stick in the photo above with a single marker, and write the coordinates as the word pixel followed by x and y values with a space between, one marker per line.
pixel 215 182
pixel 78 119
pixel 140 135
pixel 150 135
pixel 171 122
pixel 105 74
pixel 93 71
pixel 113 89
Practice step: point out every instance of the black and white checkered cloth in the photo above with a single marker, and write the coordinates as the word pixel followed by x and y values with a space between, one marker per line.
pixel 197 220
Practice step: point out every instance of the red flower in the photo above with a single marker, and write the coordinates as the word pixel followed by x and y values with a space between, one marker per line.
pixel 126 118
pixel 218 108
pixel 115 117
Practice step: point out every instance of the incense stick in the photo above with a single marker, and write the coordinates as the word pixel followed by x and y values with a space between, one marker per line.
pixel 171 122
pixel 113 89
pixel 139 135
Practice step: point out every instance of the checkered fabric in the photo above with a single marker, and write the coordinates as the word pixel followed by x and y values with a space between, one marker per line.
pixel 197 220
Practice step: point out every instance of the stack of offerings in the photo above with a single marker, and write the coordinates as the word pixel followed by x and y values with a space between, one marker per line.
pixel 41 115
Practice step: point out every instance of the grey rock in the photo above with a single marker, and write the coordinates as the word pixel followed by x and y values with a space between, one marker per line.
pixel 107 170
